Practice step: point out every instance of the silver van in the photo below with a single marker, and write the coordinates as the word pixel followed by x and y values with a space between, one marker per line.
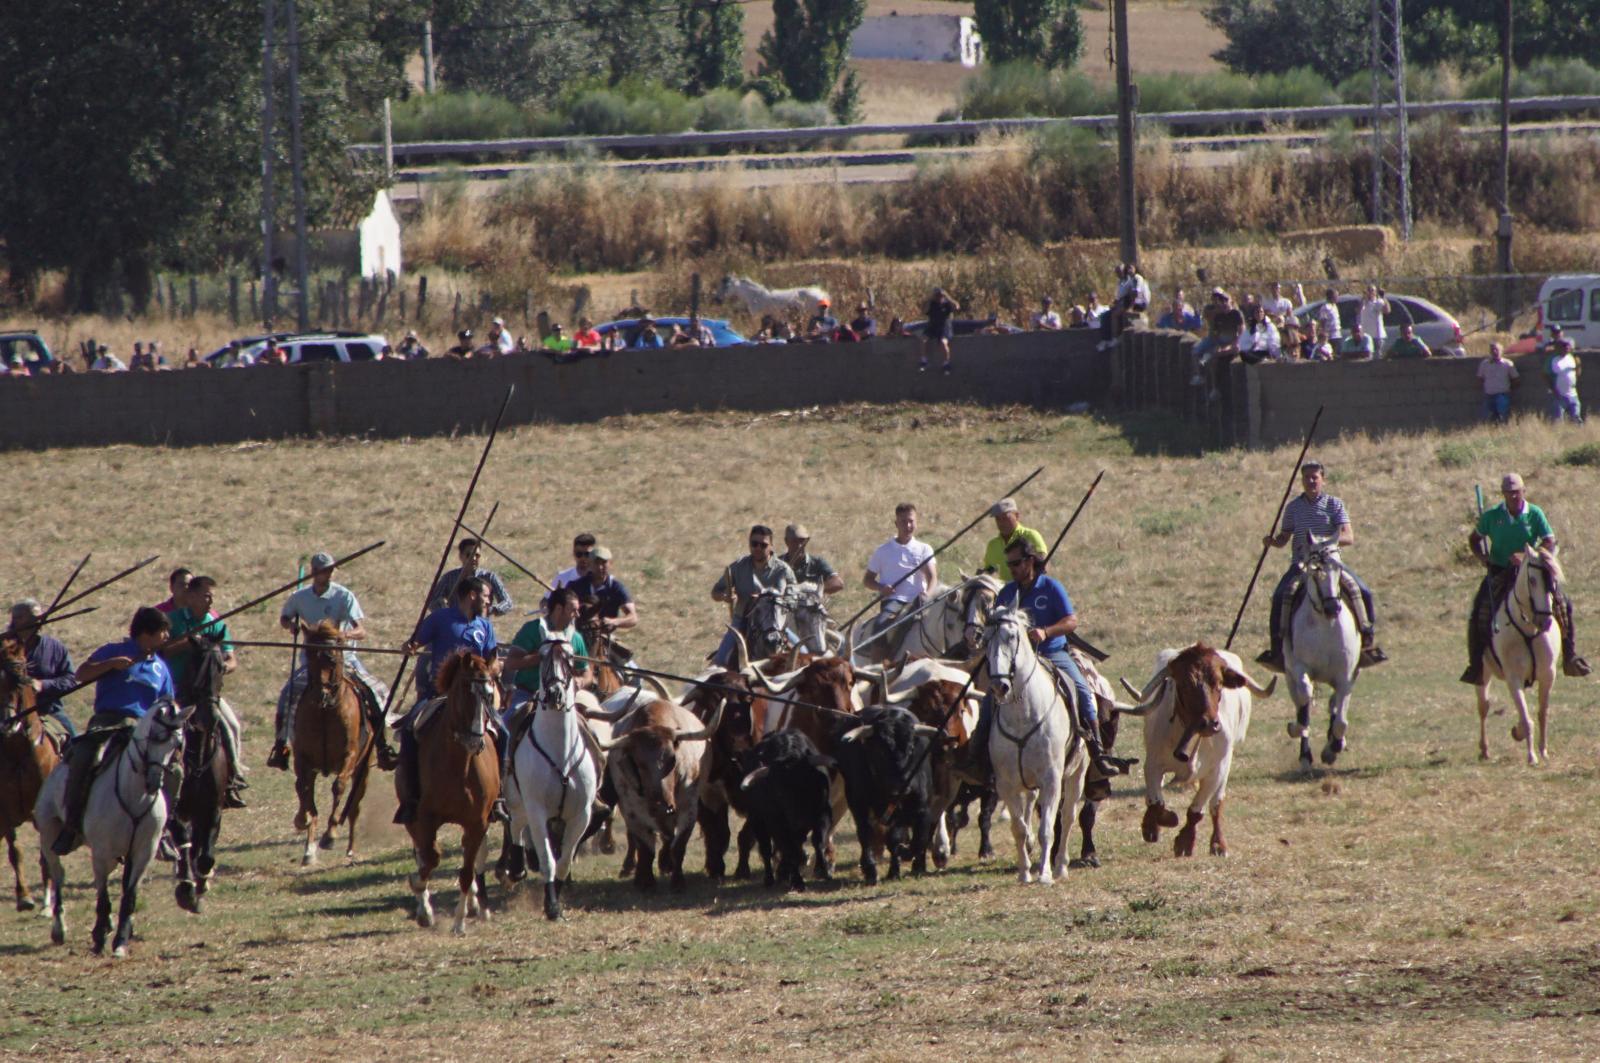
pixel 1573 302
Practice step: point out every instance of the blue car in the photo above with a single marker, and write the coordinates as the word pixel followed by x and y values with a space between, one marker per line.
pixel 721 334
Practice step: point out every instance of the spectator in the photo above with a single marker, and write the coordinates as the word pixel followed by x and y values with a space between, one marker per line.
pixel 823 325
pixel 938 328
pixel 1356 347
pixel 387 354
pixel 1328 317
pixel 1260 341
pixel 1224 326
pixel 1047 320
pixel 1076 318
pixel 1373 307
pixel 237 356
pixel 1321 347
pixel 1132 298
pixel 107 362
pixel 862 324
pixel 648 338
pixel 558 341
pixel 700 332
pixel 586 338
pixel 897 328
pixel 500 338
pixel 992 326
pixel 1563 369
pixel 1408 346
pixel 145 361
pixel 1093 311
pixel 272 354
pixel 463 347
pixel 1278 308
pixel 1180 316
pixel 411 348
pixel 1499 376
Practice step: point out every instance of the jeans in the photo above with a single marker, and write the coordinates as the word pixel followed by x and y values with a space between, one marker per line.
pixel 59 714
pixel 1566 408
pixel 1497 407
pixel 1087 713
pixel 1280 597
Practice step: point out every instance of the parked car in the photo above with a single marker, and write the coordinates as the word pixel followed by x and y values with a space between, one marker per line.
pixel 26 347
pixel 306 347
pixel 721 334
pixel 963 326
pixel 1573 302
pixel 1433 324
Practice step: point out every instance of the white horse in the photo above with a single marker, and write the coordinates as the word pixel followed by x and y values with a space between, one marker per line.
pixel 556 775
pixel 948 619
pixel 122 822
pixel 1038 757
pixel 1524 646
pixel 781 302
pixel 1324 646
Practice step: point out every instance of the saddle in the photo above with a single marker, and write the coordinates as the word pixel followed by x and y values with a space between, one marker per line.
pixel 425 712
pixel 110 743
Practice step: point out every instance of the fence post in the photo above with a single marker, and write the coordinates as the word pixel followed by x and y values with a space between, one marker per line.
pixel 422 297
pixel 233 298
pixel 194 295
pixel 255 307
pixel 172 297
pixel 401 295
pixel 383 304
pixel 344 302
pixel 455 314
pixel 161 298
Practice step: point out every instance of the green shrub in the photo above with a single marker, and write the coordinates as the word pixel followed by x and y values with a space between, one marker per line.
pixel 792 114
pixel 456 116
pixel 1587 455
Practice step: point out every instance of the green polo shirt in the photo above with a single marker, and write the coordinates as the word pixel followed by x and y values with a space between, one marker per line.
pixel 184 622
pixel 1509 534
pixel 995 556
pixel 535 634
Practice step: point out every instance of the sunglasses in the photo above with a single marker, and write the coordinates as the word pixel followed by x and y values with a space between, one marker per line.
pixel 1018 563
pixel 764 543
pixel 580 553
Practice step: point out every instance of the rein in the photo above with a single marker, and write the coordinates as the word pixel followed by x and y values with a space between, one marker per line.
pixel 1017 689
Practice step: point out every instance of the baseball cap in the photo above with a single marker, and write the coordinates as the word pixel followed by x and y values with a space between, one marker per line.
pixel 321 561
pixel 600 553
pixel 1005 505
pixel 797 531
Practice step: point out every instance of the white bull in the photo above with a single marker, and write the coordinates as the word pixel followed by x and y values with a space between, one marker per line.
pixel 1195 691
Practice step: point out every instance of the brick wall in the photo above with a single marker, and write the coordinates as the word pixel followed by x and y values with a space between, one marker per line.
pixel 437 396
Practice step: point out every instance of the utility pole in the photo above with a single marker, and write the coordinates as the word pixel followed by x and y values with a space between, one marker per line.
pixel 1128 205
pixel 297 161
pixel 427 57
pixel 269 290
pixel 1503 232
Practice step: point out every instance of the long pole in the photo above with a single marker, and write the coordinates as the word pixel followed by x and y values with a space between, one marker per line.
pixel 1503 232
pixel 973 523
pixel 1128 204
pixel 108 581
pixel 513 562
pixel 297 161
pixel 269 289
pixel 450 540
pixel 294 646
pixel 1084 501
pixel 68 585
pixel 1271 529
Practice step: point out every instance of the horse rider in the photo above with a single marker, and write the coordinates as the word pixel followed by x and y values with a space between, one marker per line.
pixel 194 617
pixel 890 570
pixel 578 571
pixel 497 602
pixel 177 580
pixel 604 605
pixel 308 607
pixel 1504 531
pixel 759 570
pixel 455 628
pixel 557 625
pixel 1008 525
pixel 807 567
pixel 1315 514
pixel 49 665
pixel 129 677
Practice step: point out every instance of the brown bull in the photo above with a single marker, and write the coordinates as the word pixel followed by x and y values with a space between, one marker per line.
pixel 656 764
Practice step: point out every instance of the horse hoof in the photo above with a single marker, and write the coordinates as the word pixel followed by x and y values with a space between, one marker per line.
pixel 1306 766
pixel 1329 755
pixel 307 859
pixel 1085 862
pixel 425 920
pixel 58 935
pixel 185 897
pixel 119 952
pixel 326 841
pixel 459 930
pixel 25 904
pixel 1517 734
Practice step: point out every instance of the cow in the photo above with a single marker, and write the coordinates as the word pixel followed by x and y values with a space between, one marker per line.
pixel 941 695
pixel 656 763
pixel 720 790
pixel 886 759
pixel 1195 691
pixel 787 791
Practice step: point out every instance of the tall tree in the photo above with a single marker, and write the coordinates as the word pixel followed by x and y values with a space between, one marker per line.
pixel 713 40
pixel 808 44
pixel 1038 31
pixel 1257 31
pixel 130 134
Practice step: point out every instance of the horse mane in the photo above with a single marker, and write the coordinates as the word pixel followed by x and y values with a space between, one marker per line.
pixel 453 664
pixel 326 631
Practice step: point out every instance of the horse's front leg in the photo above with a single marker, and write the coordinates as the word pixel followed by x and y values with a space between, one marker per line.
pixel 305 788
pixel 1483 715
pixel 326 841
pixel 1546 681
pixel 183 866
pixel 102 904
pixel 471 847
pixel 132 872
pixel 1522 730
pixel 24 901
pixel 425 848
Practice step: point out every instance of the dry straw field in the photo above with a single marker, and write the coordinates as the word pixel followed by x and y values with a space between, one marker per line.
pixel 1413 901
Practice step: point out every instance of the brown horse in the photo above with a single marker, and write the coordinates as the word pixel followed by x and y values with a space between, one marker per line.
pixel 458 771
pixel 331 737
pixel 27 755
pixel 607 680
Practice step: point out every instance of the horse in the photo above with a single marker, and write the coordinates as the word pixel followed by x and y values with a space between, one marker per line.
pixel 1524 646
pixel 1324 646
pixel 196 816
pixel 458 773
pixel 785 302
pixel 28 755
pixel 122 822
pixel 331 737
pixel 947 624
pixel 556 774
pixel 1039 758
pixel 807 629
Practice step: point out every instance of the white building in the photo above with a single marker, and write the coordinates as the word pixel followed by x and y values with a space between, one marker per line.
pixel 379 236
pixel 927 38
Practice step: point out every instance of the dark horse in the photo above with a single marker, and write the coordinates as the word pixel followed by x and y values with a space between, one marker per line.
pixel 197 815
pixel 27 756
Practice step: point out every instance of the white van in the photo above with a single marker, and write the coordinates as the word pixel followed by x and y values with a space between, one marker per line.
pixel 1573 302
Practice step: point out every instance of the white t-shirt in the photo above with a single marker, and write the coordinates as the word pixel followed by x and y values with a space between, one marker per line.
pixel 108 363
pixel 1141 289
pixel 1372 321
pixel 1047 319
pixel 506 343
pixel 1564 372
pixel 893 559
pixel 1263 339
pixel 1328 316
pixel 565 578
pixel 1279 307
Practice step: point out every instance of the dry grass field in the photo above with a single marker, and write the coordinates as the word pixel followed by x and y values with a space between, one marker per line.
pixel 1413 901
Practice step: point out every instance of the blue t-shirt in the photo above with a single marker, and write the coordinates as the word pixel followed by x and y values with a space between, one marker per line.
pixel 133 691
pixel 447 630
pixel 1046 602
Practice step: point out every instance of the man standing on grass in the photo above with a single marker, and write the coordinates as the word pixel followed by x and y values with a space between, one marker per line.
pixel 1499 376
pixel 1563 369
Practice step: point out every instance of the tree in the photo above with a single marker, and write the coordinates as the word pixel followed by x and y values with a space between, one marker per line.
pixel 1268 36
pixel 807 46
pixel 1458 31
pixel 713 41
pixel 130 137
pixel 1038 31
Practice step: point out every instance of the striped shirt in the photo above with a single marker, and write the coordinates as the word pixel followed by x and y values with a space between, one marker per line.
pixel 1320 517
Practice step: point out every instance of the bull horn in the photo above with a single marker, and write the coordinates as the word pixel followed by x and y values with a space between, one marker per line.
pixel 794 658
pixel 1254 687
pixel 754 777
pixel 901 698
pixel 1145 704
pixel 854 733
pixel 927 730
pixel 740 649
pixel 656 685
pixel 608 746
pixel 705 732
pixel 784 683
pixel 611 715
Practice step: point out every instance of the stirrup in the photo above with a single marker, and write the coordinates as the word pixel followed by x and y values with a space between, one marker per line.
pixel 499 812
pixel 1473 675
pixel 1270 660
pixel 388 759
pixel 279 758
pixel 1371 655
pixel 1576 667
pixel 406 813
pixel 232 798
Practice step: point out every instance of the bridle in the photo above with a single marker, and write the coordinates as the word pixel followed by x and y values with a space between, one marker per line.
pixel 1540 619
pixel 1317 566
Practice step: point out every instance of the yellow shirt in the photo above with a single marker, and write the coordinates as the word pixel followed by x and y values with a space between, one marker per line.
pixel 995 556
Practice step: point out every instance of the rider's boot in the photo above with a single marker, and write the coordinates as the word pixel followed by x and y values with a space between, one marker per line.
pixel 1103 762
pixel 499 812
pixel 1473 674
pixel 279 757
pixel 1371 652
pixel 79 776
pixel 388 760
pixel 234 798
pixel 1571 664
pixel 1273 658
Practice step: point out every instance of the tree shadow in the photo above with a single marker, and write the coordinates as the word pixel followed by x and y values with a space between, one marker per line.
pixel 1157 433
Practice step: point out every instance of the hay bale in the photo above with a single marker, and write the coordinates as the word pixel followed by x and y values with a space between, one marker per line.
pixel 1346 243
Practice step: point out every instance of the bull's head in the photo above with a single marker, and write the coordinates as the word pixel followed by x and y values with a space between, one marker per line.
pixel 1198 676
